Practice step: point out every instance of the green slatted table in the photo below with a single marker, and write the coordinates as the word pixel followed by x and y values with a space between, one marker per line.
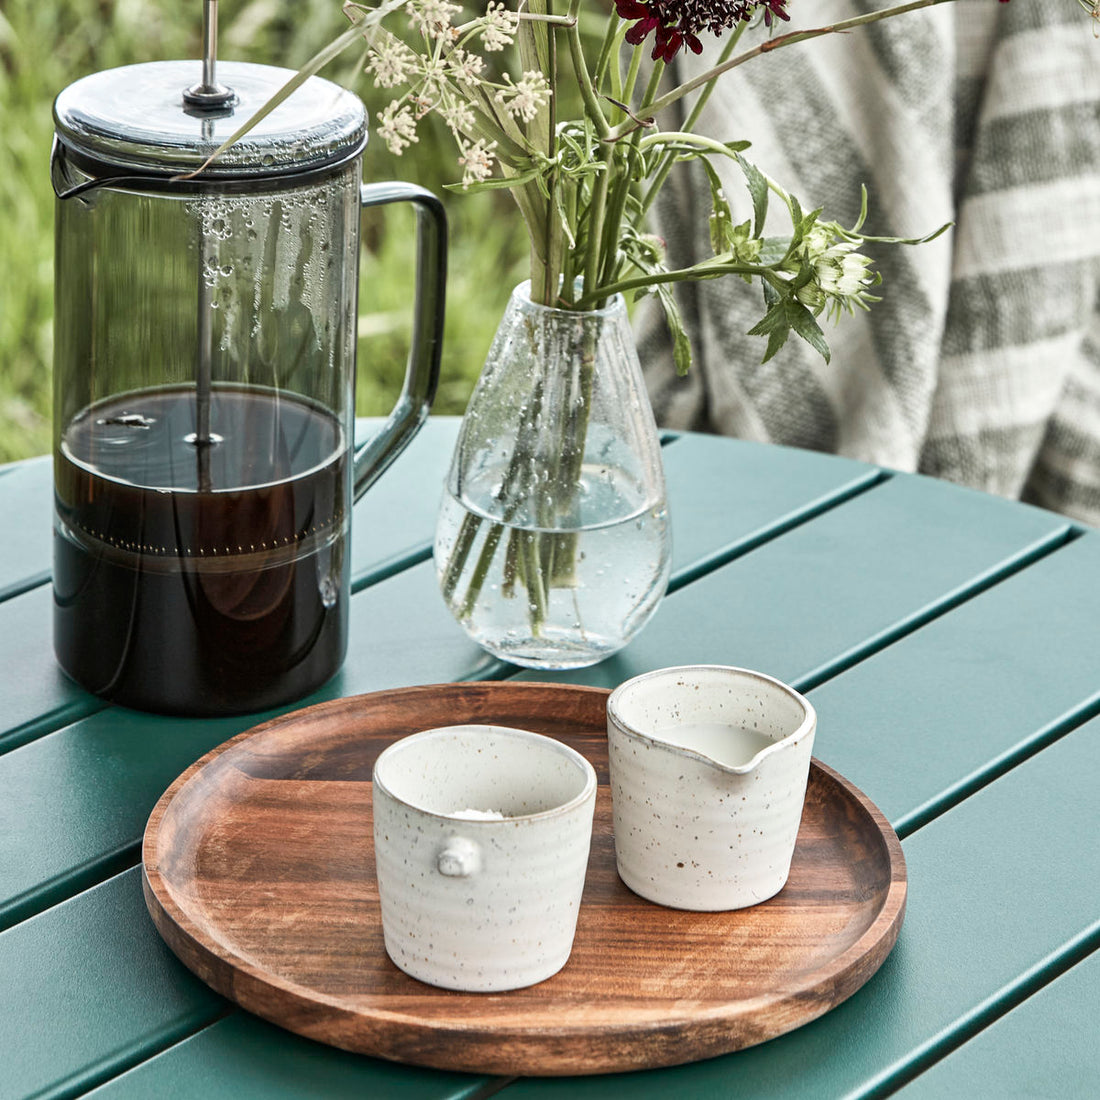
pixel 949 640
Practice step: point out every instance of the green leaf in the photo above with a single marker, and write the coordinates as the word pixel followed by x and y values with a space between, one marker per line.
pixel 788 315
pixel 532 39
pixel 681 343
pixel 496 183
pixel 798 219
pixel 774 250
pixel 805 325
pixel 721 218
pixel 758 190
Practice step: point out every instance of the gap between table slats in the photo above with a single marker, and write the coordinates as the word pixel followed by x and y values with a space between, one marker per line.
pixel 982 1015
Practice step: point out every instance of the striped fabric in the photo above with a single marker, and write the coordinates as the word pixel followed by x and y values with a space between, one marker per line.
pixel 982 362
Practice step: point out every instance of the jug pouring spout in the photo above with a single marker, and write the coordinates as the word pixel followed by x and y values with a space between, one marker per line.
pixel 729 749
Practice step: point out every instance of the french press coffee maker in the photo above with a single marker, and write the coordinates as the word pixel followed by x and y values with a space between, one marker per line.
pixel 204 380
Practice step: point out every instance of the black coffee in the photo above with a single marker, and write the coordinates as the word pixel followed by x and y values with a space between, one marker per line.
pixel 201 578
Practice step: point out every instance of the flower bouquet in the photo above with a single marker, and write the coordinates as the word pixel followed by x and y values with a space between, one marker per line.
pixel 523 491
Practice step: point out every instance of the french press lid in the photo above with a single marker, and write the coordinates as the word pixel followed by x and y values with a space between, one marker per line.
pixel 160 118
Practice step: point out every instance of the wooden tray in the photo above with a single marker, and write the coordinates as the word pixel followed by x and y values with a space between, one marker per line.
pixel 259 874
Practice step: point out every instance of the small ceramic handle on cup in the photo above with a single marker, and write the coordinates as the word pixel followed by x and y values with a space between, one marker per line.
pixel 459 858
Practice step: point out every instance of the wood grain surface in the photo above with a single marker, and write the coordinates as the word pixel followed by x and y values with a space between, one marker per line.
pixel 259 873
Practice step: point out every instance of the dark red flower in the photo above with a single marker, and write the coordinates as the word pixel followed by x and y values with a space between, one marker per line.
pixel 676 23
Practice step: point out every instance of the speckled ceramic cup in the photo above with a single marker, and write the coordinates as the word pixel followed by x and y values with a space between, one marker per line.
pixel 708 778
pixel 481 837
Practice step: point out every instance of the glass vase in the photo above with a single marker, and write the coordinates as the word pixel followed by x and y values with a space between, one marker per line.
pixel 553 544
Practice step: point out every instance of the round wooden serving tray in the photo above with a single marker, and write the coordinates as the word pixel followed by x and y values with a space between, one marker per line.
pixel 259 874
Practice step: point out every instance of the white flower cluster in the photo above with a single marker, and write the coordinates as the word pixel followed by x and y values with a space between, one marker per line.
pixel 476 159
pixel 459 116
pixel 464 66
pixel 397 126
pixel 841 275
pixel 391 62
pixel 524 99
pixel 432 17
pixel 498 27
pixel 447 76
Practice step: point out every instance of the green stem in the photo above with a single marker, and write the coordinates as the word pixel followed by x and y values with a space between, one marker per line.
pixel 535 579
pixel 584 78
pixel 616 210
pixel 623 180
pixel 596 212
pixel 682 137
pixel 471 524
pixel 632 79
pixel 568 262
pixel 689 124
pixel 552 269
pixel 700 271
pixel 481 569
pixel 511 489
pixel 606 47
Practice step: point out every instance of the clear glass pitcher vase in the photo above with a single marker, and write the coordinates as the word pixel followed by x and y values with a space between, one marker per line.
pixel 553 545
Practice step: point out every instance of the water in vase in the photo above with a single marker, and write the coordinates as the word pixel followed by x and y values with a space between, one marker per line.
pixel 553 591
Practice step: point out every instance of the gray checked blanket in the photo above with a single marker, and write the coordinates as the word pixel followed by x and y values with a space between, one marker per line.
pixel 982 362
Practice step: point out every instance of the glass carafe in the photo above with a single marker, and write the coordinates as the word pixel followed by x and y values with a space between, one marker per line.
pixel 204 381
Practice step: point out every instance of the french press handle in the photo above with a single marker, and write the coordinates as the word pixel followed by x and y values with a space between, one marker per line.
pixel 422 370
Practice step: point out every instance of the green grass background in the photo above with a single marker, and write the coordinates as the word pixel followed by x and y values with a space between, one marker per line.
pixel 47 44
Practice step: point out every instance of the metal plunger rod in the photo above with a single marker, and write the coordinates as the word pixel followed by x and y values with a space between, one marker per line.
pixel 204 362
pixel 209 93
pixel 209 44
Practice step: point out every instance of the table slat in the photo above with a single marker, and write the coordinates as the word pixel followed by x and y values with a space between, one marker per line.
pixel 244 1057
pixel 727 496
pixel 1007 1059
pixel 38 696
pixel 817 599
pixel 926 720
pixel 393 523
pixel 89 988
pixel 27 492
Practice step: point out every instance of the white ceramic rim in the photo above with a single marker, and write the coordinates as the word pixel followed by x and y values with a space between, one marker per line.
pixel 808 722
pixel 587 791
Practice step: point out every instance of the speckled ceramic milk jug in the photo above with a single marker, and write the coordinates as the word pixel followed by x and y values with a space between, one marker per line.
pixel 481 837
pixel 708 778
